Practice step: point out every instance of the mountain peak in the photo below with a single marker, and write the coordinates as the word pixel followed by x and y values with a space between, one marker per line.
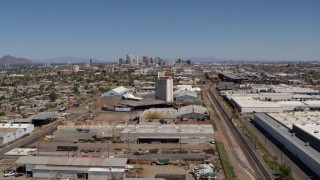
pixel 8 59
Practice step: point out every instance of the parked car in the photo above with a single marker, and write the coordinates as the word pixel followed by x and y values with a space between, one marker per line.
pixel 8 174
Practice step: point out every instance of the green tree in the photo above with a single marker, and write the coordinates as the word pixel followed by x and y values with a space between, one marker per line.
pixel 75 88
pixel 53 96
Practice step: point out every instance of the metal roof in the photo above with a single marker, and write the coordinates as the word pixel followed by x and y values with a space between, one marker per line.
pixel 44 116
pixel 249 102
pixel 283 131
pixel 73 161
pixel 288 119
pixel 186 93
pixel 170 129
pixel 312 129
pixel 192 109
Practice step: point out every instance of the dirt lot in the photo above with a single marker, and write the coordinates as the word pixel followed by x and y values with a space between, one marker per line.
pixel 111 116
pixel 149 171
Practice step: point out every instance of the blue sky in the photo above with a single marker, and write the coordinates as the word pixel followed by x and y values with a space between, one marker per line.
pixel 109 29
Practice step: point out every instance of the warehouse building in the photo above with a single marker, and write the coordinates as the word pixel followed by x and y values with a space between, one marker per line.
pixel 300 150
pixel 230 77
pixel 44 118
pixel 308 133
pixel 248 103
pixel 10 132
pixel 74 167
pixel 119 91
pixel 157 114
pixel 165 133
pixel 223 86
pixel 185 96
pixel 251 105
pixel 191 112
pixel 145 104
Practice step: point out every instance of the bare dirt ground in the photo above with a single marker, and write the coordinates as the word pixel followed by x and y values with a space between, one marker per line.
pixel 111 116
pixel 149 171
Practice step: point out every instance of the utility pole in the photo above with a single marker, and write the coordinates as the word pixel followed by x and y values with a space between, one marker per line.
pixel 180 141
pixel 38 149
pixel 129 142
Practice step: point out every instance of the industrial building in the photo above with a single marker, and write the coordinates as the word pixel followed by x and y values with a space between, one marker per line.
pixel 10 132
pixel 250 105
pixel 223 86
pixel 164 133
pixel 145 104
pixel 44 118
pixel 230 77
pixel 164 87
pixel 115 92
pixel 191 112
pixel 128 96
pixel 74 167
pixel 272 102
pixel 179 88
pixel 298 142
pixel 185 96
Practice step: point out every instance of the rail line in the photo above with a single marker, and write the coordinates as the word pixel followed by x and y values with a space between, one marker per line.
pixel 229 141
pixel 259 171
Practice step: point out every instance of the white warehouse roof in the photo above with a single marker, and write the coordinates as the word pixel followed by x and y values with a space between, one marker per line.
pixel 312 129
pixel 120 90
pixel 250 102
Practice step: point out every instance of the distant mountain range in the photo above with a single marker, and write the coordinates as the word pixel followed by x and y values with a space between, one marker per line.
pixel 203 59
pixel 8 59
pixel 66 59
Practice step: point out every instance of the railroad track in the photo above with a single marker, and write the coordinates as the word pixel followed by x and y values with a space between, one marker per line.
pixel 229 141
pixel 258 171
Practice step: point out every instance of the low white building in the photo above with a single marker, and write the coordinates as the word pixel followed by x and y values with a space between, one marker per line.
pixel 74 167
pixel 250 105
pixel 115 92
pixel 10 132
pixel 164 133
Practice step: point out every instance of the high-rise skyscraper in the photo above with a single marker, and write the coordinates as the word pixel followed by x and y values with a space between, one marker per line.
pixel 164 87
pixel 129 59
pixel 90 63
pixel 121 61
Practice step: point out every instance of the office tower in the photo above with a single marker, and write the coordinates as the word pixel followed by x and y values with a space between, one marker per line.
pixel 90 63
pixel 121 61
pixel 129 59
pixel 156 60
pixel 189 62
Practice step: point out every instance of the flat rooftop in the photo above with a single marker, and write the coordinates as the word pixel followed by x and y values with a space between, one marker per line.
pixel 290 118
pixel 312 129
pixel 72 161
pixel 44 115
pixel 287 134
pixel 20 151
pixel 247 102
pixel 170 129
